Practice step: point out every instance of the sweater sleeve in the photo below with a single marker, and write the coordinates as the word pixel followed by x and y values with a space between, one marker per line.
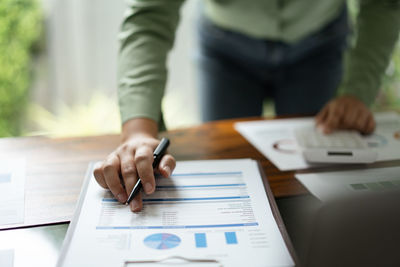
pixel 378 25
pixel 147 35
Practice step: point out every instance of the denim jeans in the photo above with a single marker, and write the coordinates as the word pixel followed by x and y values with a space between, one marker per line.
pixel 237 72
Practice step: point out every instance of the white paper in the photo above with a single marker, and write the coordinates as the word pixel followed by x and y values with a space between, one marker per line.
pixel 7 258
pixel 331 185
pixel 275 139
pixel 207 209
pixel 12 192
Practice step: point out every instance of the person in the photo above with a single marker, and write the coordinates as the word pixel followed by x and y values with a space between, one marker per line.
pixel 291 51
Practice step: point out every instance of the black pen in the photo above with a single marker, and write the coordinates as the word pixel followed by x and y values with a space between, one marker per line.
pixel 157 155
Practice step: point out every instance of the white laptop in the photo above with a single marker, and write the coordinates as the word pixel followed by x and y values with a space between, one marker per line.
pixel 337 147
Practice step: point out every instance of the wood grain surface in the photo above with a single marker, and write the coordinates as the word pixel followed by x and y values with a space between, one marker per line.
pixel 56 167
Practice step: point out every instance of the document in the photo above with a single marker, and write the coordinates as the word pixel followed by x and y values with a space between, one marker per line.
pixel 207 210
pixel 331 185
pixel 12 192
pixel 275 139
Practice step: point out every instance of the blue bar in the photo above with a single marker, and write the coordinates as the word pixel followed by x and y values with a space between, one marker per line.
pixel 194 186
pixel 109 200
pixel 205 174
pixel 230 238
pixel 190 198
pixel 200 239
pixel 179 199
pixel 176 226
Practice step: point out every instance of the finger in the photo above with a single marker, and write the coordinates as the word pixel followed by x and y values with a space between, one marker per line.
pixel 129 174
pixel 136 203
pixel 128 170
pixel 371 125
pixel 98 175
pixel 110 170
pixel 350 119
pixel 332 121
pixel 321 116
pixel 362 122
pixel 339 113
pixel 144 161
pixel 167 165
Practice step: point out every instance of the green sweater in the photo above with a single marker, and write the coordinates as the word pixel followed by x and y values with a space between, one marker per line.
pixel 148 33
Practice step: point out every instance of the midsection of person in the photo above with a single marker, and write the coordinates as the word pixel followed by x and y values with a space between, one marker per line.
pixel 281 20
pixel 301 73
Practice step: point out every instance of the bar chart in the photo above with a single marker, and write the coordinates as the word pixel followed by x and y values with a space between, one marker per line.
pixel 186 201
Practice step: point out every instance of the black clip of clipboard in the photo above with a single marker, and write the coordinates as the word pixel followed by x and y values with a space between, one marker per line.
pixel 176 258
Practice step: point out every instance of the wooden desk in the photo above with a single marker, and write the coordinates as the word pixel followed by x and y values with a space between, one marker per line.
pixel 56 167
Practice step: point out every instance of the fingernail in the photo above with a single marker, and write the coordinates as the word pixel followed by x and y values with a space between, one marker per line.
pixel 167 170
pixel 134 205
pixel 122 198
pixel 148 188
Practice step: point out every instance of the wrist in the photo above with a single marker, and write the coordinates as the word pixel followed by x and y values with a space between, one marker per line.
pixel 139 127
pixel 353 98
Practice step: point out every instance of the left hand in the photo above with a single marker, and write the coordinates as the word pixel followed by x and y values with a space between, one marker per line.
pixel 345 112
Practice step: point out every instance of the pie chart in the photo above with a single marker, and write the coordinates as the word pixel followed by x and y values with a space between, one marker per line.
pixel 162 241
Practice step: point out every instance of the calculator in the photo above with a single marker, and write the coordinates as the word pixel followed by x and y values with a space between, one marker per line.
pixel 341 146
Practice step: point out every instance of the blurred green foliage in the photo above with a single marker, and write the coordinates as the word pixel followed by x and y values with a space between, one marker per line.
pixel 389 96
pixel 20 28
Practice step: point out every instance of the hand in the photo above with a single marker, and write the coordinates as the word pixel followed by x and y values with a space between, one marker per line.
pixel 133 159
pixel 345 112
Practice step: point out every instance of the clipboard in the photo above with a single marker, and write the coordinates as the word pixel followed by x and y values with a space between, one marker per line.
pixel 212 262
pixel 75 217
pixel 277 215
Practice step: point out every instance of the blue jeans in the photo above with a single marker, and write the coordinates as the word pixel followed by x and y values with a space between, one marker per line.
pixel 237 72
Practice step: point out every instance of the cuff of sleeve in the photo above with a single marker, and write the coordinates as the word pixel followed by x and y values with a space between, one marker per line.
pixel 140 103
pixel 361 90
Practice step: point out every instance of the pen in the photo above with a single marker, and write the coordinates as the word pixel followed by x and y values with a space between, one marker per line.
pixel 157 155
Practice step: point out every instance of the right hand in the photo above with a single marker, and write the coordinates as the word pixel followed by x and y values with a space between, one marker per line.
pixel 131 160
pixel 345 112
